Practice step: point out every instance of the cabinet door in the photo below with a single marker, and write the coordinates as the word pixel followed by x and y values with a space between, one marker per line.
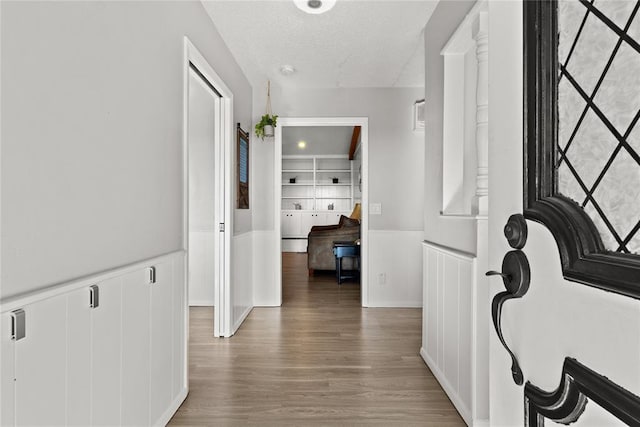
pixel 7 362
pixel 334 217
pixel 41 365
pixel 79 358
pixel 285 224
pixel 291 224
pixel 106 348
pixel 306 222
pixel 161 348
pixel 134 401
pixel 320 218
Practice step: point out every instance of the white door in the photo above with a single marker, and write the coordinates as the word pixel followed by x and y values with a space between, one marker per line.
pixel 556 319
pixel 203 129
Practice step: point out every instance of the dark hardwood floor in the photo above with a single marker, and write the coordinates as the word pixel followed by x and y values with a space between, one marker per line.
pixel 320 359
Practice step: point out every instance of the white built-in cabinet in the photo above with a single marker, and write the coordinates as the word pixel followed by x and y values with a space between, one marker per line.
pixel 120 363
pixel 297 224
pixel 316 190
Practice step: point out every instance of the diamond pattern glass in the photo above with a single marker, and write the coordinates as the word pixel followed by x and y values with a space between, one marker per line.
pixel 598 110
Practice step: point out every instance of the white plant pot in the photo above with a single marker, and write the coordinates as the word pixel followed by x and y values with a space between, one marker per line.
pixel 268 130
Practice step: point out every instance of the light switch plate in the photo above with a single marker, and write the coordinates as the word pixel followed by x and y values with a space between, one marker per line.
pixel 375 208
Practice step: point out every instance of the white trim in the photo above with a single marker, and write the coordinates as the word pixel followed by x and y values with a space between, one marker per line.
pixel 201 303
pixel 224 154
pixel 241 319
pixel 464 412
pixel 363 122
pixel 399 304
pixel 466 256
pixel 458 43
pixel 17 301
pixel 173 408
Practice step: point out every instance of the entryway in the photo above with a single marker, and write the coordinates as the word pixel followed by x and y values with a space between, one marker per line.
pixel 316 185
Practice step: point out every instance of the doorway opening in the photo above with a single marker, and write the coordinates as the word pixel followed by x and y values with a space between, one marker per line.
pixel 206 206
pixel 320 180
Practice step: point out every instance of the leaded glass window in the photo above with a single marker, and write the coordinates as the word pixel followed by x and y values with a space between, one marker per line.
pixel 598 161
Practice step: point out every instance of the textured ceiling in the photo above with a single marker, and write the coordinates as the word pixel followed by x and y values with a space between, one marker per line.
pixel 358 43
pixel 319 139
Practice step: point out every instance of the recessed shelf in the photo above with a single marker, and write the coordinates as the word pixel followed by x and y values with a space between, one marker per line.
pixel 295 197
pixel 302 185
pixel 333 185
pixel 297 171
pixel 333 170
pixel 333 198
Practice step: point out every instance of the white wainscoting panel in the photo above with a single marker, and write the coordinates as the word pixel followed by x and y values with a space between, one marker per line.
pixel 7 374
pixel 106 350
pixel 242 278
pixel 41 360
pixel 120 363
pixel 201 271
pixel 395 268
pixel 449 325
pixel 265 261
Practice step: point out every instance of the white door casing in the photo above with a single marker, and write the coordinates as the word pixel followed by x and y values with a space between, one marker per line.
pixel 364 224
pixel 223 181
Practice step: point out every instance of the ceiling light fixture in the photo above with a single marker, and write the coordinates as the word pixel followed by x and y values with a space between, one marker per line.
pixel 301 145
pixel 315 7
pixel 287 70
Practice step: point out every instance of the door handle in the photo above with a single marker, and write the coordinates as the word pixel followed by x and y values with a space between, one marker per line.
pixel 516 276
pixel 497 273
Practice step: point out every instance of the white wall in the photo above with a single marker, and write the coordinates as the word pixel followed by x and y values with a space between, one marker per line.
pixel 92 133
pixel 556 318
pixel 455 232
pixel 396 173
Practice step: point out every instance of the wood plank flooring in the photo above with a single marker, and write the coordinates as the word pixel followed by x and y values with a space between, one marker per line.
pixel 320 359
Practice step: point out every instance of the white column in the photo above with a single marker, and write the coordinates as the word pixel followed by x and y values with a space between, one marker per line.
pixel 481 36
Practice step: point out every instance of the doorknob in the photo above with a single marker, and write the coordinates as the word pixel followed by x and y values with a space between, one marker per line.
pixel 516 276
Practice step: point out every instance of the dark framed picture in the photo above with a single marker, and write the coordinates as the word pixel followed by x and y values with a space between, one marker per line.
pixel 242 155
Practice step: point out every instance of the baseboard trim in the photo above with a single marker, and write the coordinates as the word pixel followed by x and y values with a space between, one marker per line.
pixel 397 304
pixel 173 408
pixel 464 412
pixel 241 319
pixel 201 303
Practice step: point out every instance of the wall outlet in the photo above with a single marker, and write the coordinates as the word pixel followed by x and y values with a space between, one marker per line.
pixel 375 208
pixel 382 278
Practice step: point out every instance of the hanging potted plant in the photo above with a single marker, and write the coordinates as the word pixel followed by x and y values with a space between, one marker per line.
pixel 265 127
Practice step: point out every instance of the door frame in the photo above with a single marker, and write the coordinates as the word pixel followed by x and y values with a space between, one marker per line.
pixel 363 122
pixel 223 161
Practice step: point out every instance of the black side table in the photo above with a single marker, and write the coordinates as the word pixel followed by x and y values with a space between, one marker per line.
pixel 344 250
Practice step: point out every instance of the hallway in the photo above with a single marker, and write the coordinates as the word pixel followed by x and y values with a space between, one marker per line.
pixel 320 359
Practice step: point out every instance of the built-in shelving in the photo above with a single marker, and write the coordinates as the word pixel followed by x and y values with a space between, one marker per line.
pixel 315 189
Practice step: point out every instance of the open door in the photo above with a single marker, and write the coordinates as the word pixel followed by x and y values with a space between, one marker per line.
pixel 208 139
pixel 566 312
